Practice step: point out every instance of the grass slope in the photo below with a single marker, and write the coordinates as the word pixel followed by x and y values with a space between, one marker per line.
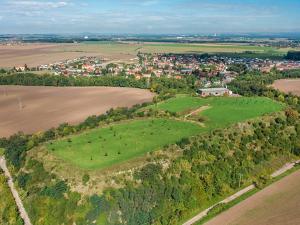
pixel 104 147
pixel 226 111
pixel 222 111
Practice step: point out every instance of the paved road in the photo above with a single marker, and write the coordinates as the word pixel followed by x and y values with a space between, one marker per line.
pixel 204 213
pixel 15 193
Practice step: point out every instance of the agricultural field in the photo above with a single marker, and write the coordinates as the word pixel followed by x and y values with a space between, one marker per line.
pixel 117 143
pixel 34 109
pixel 288 86
pixel 104 147
pixel 37 54
pixel 277 204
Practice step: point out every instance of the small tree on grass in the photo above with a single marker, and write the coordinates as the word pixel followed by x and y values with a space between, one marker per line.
pixel 85 178
pixel 105 154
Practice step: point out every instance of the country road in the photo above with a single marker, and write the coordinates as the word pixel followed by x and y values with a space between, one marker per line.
pixel 15 193
pixel 204 213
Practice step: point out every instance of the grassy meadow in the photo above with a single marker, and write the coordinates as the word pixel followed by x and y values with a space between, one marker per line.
pixel 221 111
pixel 103 147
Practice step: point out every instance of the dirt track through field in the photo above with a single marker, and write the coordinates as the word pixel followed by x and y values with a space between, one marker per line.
pixel 33 109
pixel 14 192
pixel 288 85
pixel 278 204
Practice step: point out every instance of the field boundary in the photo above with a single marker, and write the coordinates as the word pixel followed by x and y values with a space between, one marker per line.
pixel 14 192
pixel 204 213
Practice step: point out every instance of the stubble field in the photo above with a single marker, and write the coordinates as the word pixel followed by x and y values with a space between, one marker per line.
pixel 288 85
pixel 277 204
pixel 37 54
pixel 33 109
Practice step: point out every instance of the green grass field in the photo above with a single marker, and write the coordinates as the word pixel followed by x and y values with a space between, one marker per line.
pixel 103 147
pixel 222 111
pixel 1 151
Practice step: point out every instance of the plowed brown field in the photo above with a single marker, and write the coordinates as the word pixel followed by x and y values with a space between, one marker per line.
pixel 33 109
pixel 288 85
pixel 278 204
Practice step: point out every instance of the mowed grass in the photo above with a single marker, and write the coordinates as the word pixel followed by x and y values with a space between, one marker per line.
pixel 104 147
pixel 222 111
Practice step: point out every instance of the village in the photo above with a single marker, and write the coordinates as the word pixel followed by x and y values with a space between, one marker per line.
pixel 213 71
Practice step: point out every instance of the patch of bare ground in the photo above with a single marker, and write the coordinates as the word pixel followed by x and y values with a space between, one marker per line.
pixel 37 54
pixel 112 177
pixel 197 111
pixel 278 204
pixel 34 109
pixel 288 86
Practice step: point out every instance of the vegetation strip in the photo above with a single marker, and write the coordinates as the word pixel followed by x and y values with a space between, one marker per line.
pixel 14 192
pixel 220 209
pixel 204 213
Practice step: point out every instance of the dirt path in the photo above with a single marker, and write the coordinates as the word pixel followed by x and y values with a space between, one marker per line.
pixel 204 213
pixel 15 193
pixel 202 108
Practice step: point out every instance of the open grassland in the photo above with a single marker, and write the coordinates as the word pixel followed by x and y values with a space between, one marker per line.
pixel 277 204
pixel 37 54
pixel 34 109
pixel 107 146
pixel 221 111
pixel 288 86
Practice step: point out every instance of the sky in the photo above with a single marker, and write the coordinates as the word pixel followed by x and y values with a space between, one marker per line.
pixel 149 16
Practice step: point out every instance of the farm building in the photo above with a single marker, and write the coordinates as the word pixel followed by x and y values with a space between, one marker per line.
pixel 214 92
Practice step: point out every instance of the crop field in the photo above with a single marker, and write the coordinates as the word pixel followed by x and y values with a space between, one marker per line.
pixel 37 54
pixel 288 86
pixel 103 147
pixel 34 109
pixel 221 111
pixel 277 204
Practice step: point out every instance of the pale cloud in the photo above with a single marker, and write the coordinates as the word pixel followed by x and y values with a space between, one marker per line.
pixel 138 16
pixel 38 4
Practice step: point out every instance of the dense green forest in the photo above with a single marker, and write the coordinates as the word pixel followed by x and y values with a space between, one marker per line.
pixel 166 190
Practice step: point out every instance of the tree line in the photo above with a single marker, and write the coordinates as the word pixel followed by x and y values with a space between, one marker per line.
pixel 158 85
pixel 210 166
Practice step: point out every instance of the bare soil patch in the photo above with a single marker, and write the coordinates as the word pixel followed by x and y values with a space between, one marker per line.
pixel 33 54
pixel 277 204
pixel 34 109
pixel 288 85
pixel 37 54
